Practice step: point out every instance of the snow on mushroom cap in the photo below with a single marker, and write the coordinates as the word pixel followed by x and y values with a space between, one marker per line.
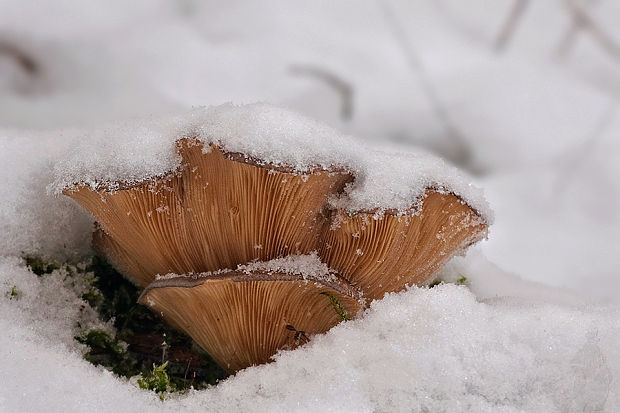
pixel 132 152
pixel 307 266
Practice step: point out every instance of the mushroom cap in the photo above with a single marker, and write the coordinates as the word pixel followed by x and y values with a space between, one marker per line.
pixel 218 211
pixel 242 318
pixel 221 210
pixel 384 254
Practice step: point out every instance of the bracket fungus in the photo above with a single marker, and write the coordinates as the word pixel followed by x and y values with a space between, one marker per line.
pixel 242 318
pixel 383 254
pixel 217 211
pixel 222 209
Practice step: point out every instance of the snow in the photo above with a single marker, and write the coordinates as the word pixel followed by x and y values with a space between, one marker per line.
pixel 134 152
pixel 31 220
pixel 307 266
pixel 439 349
pixel 535 123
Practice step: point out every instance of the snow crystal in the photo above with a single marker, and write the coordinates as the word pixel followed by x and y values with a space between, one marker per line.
pixel 384 180
pixel 437 349
pixel 308 266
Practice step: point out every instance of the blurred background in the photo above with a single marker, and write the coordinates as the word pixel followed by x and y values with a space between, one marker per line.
pixel 521 94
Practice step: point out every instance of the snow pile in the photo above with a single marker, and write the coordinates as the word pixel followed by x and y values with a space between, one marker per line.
pixel 48 306
pixel 384 180
pixel 436 349
pixel 31 220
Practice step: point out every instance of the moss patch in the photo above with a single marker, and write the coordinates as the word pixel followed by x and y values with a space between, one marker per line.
pixel 139 339
pixel 157 380
pixel 40 266
pixel 13 294
pixel 149 340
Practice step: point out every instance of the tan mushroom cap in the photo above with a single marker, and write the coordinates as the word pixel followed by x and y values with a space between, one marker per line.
pixel 386 254
pixel 242 319
pixel 221 210
pixel 218 211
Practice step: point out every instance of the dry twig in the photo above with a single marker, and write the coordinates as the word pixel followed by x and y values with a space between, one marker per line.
pixel 462 153
pixel 510 25
pixel 341 86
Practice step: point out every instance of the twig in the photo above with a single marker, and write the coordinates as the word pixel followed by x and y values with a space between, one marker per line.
pixel 164 348
pixel 186 371
pixel 583 21
pixel 342 87
pixel 27 63
pixel 463 156
pixel 510 25
pixel 568 40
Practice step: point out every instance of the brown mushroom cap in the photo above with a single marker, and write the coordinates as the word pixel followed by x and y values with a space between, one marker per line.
pixel 243 318
pixel 386 254
pixel 220 210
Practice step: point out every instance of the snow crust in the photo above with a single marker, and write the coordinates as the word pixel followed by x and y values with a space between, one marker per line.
pixel 272 135
pixel 445 349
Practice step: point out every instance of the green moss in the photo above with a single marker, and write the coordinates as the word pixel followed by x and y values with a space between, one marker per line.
pixel 115 299
pixel 108 351
pixel 462 280
pixel 14 293
pixel 40 266
pixel 435 283
pixel 157 380
pixel 337 305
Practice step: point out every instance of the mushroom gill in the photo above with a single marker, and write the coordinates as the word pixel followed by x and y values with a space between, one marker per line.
pixel 242 318
pixel 385 254
pixel 217 211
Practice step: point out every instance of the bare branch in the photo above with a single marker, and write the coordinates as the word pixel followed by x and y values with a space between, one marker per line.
pixel 584 21
pixel 27 63
pixel 510 25
pixel 462 155
pixel 342 87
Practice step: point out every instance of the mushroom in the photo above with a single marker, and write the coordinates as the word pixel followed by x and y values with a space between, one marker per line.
pixel 218 211
pixel 384 254
pixel 243 317
pixel 223 210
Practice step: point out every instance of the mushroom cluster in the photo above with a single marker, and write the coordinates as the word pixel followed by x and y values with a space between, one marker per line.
pixel 249 257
